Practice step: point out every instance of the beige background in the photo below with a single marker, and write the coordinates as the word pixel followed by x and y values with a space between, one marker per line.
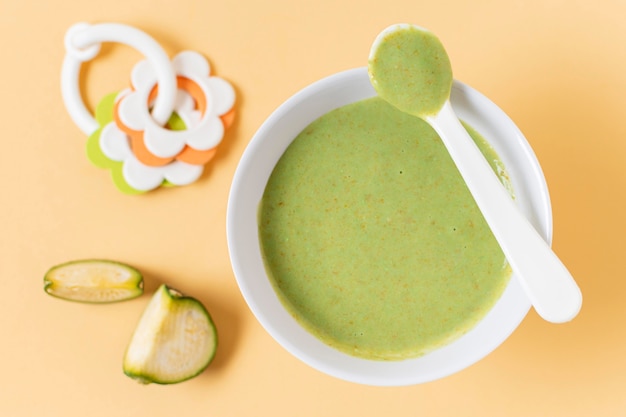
pixel 557 67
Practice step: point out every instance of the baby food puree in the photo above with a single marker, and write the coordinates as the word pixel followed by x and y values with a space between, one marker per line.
pixel 409 68
pixel 371 238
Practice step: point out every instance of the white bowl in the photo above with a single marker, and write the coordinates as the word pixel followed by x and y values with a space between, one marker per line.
pixel 255 167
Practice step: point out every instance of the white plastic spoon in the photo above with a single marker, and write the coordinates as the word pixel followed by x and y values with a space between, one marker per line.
pixel 410 69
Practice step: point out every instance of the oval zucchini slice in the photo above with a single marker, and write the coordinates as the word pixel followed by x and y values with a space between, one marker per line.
pixel 93 281
pixel 175 340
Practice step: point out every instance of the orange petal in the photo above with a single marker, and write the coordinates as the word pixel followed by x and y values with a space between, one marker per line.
pixel 195 157
pixel 228 118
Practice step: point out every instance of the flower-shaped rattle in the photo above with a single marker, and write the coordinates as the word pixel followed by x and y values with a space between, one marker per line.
pixel 165 127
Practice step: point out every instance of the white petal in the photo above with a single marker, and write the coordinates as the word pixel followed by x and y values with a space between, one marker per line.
pixel 143 76
pixel 114 143
pixel 208 135
pixel 163 142
pixel 191 64
pixel 181 173
pixel 222 93
pixel 122 94
pixel 142 177
pixel 131 111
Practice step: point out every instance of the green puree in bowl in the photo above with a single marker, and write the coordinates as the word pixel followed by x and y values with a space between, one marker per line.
pixel 372 240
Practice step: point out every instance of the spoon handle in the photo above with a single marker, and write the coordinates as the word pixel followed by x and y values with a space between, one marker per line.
pixel 547 282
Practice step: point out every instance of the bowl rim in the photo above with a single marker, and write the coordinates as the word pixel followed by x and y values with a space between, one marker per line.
pixel 295 339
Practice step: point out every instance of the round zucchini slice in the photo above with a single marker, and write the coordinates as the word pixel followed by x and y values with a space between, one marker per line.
pixel 93 281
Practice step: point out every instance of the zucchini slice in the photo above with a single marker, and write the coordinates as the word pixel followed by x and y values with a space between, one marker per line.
pixel 93 281
pixel 175 340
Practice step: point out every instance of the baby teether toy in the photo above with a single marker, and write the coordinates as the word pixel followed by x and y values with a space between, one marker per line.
pixel 165 127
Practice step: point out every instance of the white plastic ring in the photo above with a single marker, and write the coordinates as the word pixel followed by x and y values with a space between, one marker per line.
pixel 82 43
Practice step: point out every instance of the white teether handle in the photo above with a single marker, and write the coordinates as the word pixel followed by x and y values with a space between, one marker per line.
pixel 82 43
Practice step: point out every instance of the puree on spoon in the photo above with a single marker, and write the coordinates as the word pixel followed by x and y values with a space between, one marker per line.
pixel 371 238
pixel 410 69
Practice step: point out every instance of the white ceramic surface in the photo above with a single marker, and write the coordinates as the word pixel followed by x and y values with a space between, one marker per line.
pixel 255 167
